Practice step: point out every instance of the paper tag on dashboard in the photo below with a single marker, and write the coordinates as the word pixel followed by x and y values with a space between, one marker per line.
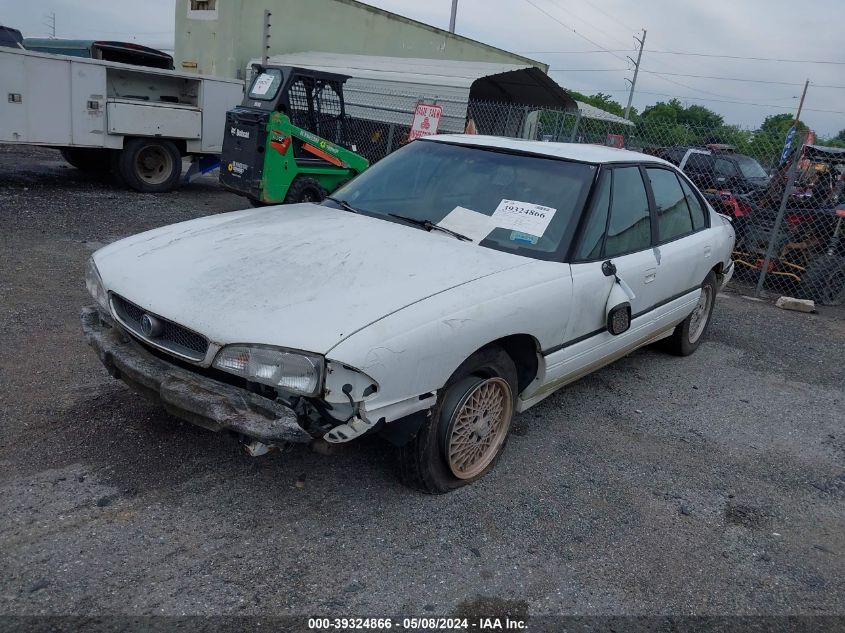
pixel 262 84
pixel 524 217
pixel 473 224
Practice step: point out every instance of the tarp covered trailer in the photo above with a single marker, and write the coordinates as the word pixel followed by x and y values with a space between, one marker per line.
pixel 382 93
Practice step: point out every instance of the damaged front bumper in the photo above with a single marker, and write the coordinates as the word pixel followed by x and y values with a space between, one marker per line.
pixel 187 395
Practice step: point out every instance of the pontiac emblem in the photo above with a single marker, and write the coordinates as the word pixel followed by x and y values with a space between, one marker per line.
pixel 151 327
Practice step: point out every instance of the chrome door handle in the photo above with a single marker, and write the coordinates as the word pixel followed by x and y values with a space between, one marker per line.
pixel 650 275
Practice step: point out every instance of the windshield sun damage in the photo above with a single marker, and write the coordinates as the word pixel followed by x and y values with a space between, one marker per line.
pixel 428 180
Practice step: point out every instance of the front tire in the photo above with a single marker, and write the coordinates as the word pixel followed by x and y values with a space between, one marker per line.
pixel 150 165
pixel 468 428
pixel 689 333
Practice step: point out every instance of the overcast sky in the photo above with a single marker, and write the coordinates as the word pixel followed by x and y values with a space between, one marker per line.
pixel 808 30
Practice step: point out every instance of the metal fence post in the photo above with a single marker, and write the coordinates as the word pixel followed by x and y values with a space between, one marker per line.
pixel 770 251
pixel 391 132
pixel 574 134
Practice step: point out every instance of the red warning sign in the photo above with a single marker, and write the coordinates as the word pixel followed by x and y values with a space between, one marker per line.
pixel 426 120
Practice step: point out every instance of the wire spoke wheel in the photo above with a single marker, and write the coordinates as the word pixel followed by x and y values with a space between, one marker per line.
pixel 698 319
pixel 478 427
pixel 154 164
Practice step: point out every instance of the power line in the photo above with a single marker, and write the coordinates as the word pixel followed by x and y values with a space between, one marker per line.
pixel 758 59
pixel 603 12
pixel 588 70
pixel 590 24
pixel 743 79
pixel 660 52
pixel 689 98
pixel 569 28
pixel 715 77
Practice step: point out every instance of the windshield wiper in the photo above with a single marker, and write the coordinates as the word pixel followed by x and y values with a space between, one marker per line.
pixel 344 204
pixel 428 225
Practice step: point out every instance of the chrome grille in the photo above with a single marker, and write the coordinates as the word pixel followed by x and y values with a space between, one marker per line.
pixel 173 338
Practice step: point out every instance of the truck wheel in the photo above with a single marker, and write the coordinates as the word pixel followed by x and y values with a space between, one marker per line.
pixel 150 165
pixel 305 190
pixel 468 427
pixel 824 280
pixel 89 160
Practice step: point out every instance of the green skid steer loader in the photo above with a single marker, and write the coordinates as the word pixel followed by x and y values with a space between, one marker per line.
pixel 286 142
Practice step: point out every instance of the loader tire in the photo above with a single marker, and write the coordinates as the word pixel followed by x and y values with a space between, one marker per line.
pixel 305 190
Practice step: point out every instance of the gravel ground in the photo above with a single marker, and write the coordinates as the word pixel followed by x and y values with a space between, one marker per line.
pixel 708 485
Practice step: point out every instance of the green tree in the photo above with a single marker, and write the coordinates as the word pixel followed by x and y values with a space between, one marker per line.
pixel 840 137
pixel 674 111
pixel 779 124
pixel 602 101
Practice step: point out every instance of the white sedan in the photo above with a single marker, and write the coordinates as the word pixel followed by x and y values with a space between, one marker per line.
pixel 455 283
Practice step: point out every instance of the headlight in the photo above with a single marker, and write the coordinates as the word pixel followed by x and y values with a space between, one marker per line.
pixel 294 371
pixel 95 285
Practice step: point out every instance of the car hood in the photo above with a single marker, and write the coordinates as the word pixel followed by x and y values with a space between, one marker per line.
pixel 299 276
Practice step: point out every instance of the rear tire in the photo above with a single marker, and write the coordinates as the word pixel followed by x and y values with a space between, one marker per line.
pixel 824 280
pixel 689 333
pixel 466 432
pixel 305 190
pixel 89 160
pixel 150 165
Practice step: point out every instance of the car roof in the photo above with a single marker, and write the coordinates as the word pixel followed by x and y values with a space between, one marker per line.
pixel 595 154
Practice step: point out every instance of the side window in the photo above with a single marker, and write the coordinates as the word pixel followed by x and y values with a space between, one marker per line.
pixel 673 217
pixel 629 228
pixel 591 241
pixel 697 210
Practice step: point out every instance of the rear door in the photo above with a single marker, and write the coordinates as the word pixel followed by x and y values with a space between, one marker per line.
pixel 683 249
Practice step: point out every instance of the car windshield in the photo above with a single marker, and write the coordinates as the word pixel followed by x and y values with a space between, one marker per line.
pixel 750 168
pixel 518 203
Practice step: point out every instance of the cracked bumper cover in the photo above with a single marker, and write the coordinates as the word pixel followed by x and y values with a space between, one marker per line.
pixel 192 397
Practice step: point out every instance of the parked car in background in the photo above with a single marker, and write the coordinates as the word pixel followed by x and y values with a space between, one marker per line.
pixel 719 167
pixel 455 283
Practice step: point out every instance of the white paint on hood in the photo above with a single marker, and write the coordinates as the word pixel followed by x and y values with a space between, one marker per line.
pixel 298 276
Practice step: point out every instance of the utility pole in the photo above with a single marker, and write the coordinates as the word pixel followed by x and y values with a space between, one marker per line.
pixel 453 16
pixel 51 23
pixel 791 177
pixel 265 38
pixel 801 104
pixel 636 72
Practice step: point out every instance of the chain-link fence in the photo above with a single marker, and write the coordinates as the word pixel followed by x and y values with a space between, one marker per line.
pixel 788 208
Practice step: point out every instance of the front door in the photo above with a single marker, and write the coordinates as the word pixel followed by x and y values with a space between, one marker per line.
pixel 619 231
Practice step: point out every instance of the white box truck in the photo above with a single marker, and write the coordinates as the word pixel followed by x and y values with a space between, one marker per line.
pixel 135 121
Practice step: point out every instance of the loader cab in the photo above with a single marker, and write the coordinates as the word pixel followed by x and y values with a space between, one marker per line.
pixel 312 99
pixel 287 141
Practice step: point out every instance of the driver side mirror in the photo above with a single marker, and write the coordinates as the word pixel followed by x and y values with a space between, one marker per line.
pixel 619 319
